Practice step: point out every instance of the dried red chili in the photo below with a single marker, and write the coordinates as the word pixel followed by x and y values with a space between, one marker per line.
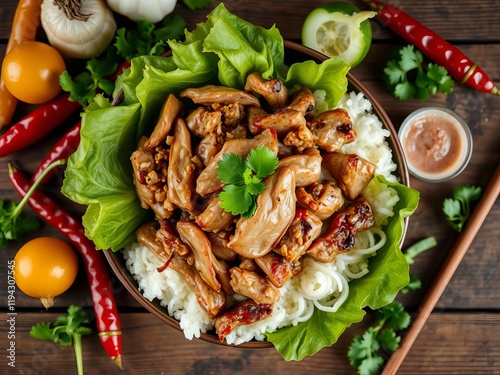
pixel 37 124
pixel 105 309
pixel 459 66
pixel 63 148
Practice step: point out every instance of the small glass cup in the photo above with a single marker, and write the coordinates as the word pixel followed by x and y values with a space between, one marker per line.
pixel 437 143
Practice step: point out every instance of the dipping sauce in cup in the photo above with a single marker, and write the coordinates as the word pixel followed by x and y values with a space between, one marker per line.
pixel 437 143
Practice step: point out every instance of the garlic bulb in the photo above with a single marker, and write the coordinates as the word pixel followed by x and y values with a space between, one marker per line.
pixel 137 10
pixel 78 28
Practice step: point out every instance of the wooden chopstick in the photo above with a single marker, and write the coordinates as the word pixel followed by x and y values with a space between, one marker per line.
pixel 446 272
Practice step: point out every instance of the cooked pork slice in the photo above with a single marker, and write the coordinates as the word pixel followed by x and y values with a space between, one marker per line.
pixel 332 129
pixel 210 94
pixel 197 241
pixel 303 101
pixel 171 109
pixel 219 246
pixel 171 241
pixel 211 301
pixel 202 122
pixel 307 166
pixel 252 115
pixel 146 235
pixel 273 91
pixel 181 169
pixel 324 199
pixel 208 147
pixel 257 235
pixel 352 172
pixel 278 269
pixel 283 121
pixel 232 114
pixel 252 285
pixel 214 218
pixel 303 230
pixel 208 182
pixel 245 312
pixel 301 138
pixel 341 233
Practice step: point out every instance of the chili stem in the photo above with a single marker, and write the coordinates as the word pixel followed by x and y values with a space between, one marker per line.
pixel 33 187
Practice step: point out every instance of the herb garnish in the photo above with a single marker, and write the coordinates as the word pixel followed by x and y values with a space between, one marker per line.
pixel 408 77
pixel 13 224
pixel 67 330
pixel 457 209
pixel 243 179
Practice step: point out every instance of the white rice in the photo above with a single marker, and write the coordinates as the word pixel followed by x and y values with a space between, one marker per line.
pixel 319 285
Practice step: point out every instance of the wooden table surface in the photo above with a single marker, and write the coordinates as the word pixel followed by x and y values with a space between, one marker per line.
pixel 462 336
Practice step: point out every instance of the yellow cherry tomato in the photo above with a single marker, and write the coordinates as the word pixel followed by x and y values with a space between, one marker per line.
pixel 45 268
pixel 31 72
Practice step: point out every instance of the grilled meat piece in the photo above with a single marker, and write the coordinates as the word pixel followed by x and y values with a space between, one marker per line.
pixel 211 301
pixel 273 91
pixel 214 218
pixel 252 285
pixel 307 166
pixel 172 108
pixel 219 245
pixel 352 172
pixel 303 230
pixel 181 169
pixel 257 235
pixel 210 94
pixel 303 101
pixel 283 121
pixel 332 129
pixel 245 312
pixel 341 233
pixel 324 199
pixel 202 122
pixel 278 269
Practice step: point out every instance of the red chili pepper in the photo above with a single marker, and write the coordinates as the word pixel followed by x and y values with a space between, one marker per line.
pixel 105 309
pixel 66 145
pixel 37 124
pixel 459 66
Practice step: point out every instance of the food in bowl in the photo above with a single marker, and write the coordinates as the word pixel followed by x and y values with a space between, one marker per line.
pixel 103 178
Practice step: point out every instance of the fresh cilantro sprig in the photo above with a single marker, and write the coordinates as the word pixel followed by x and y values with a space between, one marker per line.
pixel 408 76
pixel 458 208
pixel 13 224
pixel 145 39
pixel 410 253
pixel 243 179
pixel 67 330
pixel 365 352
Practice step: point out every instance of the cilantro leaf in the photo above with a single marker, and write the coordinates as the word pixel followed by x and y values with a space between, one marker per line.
pixel 243 179
pixel 66 330
pixel 371 366
pixel 389 340
pixel 231 168
pixel 14 225
pixel 394 316
pixel 457 209
pixel 262 161
pixel 235 199
pixel 407 76
pixel 414 284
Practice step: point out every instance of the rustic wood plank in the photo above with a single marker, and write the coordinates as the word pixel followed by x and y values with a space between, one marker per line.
pixel 476 19
pixel 151 347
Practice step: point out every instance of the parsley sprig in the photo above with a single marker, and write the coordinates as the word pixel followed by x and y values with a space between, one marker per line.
pixel 67 330
pixel 243 179
pixel 458 208
pixel 408 76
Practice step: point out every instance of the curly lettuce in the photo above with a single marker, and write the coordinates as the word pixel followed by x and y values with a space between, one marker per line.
pixel 223 50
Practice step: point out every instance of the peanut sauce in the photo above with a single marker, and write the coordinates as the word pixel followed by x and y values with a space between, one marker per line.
pixel 435 143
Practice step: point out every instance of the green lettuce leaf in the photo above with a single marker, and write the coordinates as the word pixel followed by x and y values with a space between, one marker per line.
pixel 389 272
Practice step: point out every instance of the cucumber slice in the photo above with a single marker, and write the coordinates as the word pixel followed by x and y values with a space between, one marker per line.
pixel 339 29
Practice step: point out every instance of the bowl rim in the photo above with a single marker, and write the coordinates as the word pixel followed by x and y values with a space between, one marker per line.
pixel 126 278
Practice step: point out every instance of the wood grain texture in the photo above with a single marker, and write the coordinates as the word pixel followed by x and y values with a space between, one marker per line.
pixel 460 337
